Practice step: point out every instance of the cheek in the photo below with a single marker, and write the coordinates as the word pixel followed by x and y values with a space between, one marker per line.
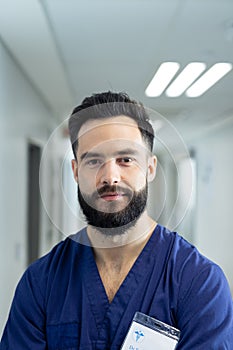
pixel 87 182
pixel 136 177
pixel 141 181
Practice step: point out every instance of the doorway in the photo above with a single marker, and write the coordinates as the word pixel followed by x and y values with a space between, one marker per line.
pixel 34 202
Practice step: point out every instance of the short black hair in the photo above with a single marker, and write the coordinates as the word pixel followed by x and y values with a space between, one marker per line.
pixel 106 105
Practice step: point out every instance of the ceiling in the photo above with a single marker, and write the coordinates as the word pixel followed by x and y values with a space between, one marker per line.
pixel 72 48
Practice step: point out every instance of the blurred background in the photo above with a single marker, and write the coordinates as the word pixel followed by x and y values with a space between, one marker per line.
pixel 53 53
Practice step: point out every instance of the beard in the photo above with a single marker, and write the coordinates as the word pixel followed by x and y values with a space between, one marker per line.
pixel 117 222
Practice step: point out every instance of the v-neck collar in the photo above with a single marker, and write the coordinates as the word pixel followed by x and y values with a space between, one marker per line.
pixel 101 308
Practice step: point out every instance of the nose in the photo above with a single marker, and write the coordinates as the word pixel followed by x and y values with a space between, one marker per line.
pixel 109 173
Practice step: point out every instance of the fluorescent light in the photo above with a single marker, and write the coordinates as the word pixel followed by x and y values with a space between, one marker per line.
pixel 215 73
pixel 162 78
pixel 189 74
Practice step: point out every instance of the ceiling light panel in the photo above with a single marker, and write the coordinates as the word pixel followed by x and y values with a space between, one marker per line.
pixel 188 75
pixel 162 78
pixel 214 74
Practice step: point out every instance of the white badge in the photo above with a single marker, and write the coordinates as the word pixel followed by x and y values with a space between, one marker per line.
pixel 146 333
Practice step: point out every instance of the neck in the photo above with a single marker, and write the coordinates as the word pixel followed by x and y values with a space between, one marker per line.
pixel 122 247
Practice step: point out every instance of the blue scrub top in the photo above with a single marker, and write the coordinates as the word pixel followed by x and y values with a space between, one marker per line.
pixel 61 304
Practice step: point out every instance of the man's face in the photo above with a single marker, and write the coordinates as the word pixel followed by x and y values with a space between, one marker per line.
pixel 112 170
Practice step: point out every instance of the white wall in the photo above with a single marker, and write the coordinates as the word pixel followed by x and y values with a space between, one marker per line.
pixel 214 232
pixel 208 225
pixel 22 115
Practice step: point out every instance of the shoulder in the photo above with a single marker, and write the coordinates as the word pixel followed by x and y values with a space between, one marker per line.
pixel 52 258
pixel 65 250
pixel 41 273
pixel 184 255
pixel 191 270
pixel 202 299
pixel 199 281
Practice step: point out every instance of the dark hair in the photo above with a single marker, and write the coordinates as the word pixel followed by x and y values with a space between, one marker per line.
pixel 106 105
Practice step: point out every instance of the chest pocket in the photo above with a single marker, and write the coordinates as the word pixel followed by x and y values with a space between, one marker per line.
pixel 63 336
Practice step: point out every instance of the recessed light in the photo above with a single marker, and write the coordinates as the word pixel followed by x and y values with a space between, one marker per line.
pixel 188 75
pixel 215 73
pixel 162 78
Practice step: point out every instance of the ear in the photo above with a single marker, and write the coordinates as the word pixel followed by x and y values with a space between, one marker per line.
pixel 74 165
pixel 152 165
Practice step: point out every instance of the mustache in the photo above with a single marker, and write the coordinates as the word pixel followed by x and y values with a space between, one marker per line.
pixel 113 189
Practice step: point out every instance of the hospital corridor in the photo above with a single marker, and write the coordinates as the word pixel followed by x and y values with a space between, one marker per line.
pixel 173 56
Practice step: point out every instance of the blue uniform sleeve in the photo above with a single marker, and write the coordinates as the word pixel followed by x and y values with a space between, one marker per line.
pixel 205 312
pixel 25 328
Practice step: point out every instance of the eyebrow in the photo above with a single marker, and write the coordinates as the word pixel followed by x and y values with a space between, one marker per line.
pixel 127 151
pixel 90 155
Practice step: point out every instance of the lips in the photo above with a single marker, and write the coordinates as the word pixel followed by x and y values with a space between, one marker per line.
pixel 111 196
pixel 112 193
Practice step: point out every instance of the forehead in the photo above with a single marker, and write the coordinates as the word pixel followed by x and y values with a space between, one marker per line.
pixel 110 134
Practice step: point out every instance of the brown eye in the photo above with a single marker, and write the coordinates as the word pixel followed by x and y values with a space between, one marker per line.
pixel 92 163
pixel 124 160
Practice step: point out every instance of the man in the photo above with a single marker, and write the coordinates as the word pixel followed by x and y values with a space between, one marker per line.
pixel 85 292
